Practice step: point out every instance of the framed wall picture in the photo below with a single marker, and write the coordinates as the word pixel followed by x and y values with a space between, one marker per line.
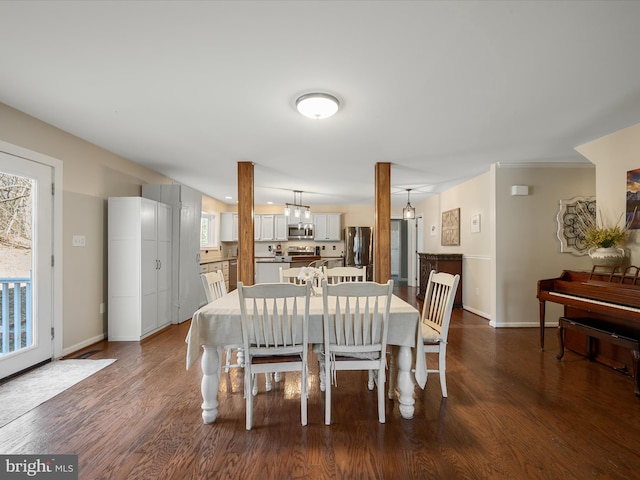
pixel 475 223
pixel 633 199
pixel 450 227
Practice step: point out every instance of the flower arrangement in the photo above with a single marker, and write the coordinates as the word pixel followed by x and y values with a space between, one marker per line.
pixel 597 236
pixel 311 274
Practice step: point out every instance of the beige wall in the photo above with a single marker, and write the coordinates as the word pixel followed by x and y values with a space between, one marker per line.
pixel 527 248
pixel 472 198
pixel 517 243
pixel 614 155
pixel 91 175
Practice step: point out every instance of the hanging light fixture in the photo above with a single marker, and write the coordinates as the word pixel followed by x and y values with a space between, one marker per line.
pixel 296 208
pixel 408 212
pixel 317 105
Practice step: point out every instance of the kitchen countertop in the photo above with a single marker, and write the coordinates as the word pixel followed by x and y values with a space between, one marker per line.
pixel 221 259
pixel 294 259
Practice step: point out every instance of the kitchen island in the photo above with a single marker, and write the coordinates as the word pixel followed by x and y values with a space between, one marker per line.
pixel 268 268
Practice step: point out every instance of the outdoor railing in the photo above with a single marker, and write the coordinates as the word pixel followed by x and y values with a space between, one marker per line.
pixel 15 314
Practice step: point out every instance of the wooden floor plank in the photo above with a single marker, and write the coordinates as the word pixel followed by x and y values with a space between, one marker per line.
pixel 512 412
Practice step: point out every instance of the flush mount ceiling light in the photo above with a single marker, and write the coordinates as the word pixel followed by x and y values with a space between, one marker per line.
pixel 408 212
pixel 317 105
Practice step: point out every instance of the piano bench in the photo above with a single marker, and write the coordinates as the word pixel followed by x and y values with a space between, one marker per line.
pixel 594 328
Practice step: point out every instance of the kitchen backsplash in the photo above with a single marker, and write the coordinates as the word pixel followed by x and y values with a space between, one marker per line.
pixel 327 249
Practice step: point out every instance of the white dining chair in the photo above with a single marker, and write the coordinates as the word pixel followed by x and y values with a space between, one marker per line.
pixel 436 317
pixel 355 323
pixel 337 275
pixel 275 332
pixel 214 288
pixel 345 274
pixel 290 275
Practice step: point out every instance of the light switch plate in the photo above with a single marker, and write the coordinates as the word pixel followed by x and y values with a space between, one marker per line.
pixel 79 241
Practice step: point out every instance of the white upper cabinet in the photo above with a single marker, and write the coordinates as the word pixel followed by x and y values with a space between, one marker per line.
pixel 257 227
pixel 327 227
pixel 267 232
pixel 228 227
pixel 280 226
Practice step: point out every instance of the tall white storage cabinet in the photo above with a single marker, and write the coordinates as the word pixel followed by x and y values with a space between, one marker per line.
pixel 139 262
pixel 186 204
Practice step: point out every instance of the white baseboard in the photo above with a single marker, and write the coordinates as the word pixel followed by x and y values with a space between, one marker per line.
pixel 524 325
pixel 81 345
pixel 477 312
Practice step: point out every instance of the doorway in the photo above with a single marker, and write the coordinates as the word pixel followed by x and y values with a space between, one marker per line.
pixel 26 271
pixel 399 252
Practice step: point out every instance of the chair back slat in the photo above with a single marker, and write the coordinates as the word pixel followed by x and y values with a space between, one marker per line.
pixel 438 301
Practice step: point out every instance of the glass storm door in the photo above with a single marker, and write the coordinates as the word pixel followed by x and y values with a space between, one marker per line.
pixel 26 313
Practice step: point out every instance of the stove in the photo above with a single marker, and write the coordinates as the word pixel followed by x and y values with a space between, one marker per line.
pixel 302 254
pixel 299 251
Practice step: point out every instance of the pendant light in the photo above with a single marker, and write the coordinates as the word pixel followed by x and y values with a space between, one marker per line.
pixel 408 212
pixel 296 208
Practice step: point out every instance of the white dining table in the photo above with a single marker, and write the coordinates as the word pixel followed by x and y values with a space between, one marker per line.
pixel 219 323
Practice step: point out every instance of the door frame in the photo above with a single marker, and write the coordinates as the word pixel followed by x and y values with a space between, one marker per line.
pixel 56 234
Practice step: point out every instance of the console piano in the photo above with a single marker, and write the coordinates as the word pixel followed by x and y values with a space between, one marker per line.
pixel 609 295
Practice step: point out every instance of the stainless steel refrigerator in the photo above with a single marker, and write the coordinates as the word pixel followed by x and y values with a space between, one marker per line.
pixel 358 248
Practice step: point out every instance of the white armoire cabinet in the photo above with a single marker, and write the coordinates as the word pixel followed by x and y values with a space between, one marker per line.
pixel 139 266
pixel 186 204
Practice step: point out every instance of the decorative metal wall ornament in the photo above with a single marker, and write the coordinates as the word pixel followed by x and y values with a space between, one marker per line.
pixel 570 226
pixel 450 227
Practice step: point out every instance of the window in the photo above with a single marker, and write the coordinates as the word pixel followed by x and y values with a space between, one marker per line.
pixel 209 230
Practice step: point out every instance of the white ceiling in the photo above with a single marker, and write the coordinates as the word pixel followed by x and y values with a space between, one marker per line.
pixel 439 89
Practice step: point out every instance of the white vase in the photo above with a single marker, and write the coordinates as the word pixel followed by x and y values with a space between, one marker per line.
pixel 607 257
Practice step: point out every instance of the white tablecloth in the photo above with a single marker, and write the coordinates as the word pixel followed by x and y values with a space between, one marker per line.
pixel 219 324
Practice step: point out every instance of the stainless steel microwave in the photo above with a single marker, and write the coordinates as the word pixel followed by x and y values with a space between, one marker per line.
pixel 300 231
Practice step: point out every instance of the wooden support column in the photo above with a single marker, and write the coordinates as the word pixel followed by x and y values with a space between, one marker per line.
pixel 382 224
pixel 246 238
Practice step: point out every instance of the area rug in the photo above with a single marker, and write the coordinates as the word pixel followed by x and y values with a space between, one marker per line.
pixel 27 391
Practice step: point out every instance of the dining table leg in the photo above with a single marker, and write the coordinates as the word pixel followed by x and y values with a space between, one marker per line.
pixel 405 382
pixel 210 383
pixel 392 379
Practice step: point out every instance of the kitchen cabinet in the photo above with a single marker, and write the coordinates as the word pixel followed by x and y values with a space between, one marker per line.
pixel 257 227
pixel 264 228
pixel 327 227
pixel 269 272
pixel 228 227
pixel 280 228
pixel 139 267
pixel 440 262
pixel 223 266
pixel 186 211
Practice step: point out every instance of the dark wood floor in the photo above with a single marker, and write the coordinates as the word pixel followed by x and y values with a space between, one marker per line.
pixel 513 412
